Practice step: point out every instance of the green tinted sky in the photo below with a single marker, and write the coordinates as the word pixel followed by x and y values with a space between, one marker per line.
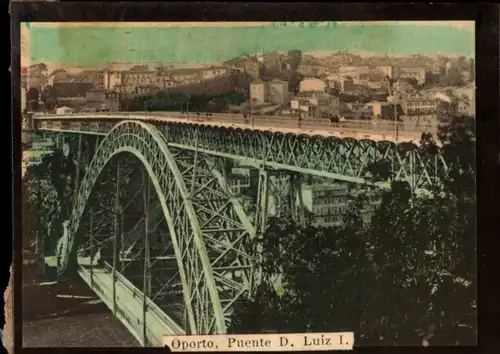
pixel 94 46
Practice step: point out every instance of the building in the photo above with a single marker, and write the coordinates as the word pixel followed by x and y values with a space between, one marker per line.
pixel 377 85
pixel 415 105
pixel 98 77
pixel 24 94
pixel 386 70
pixel 416 73
pixel 278 91
pixel 112 79
pixel 352 71
pixel 137 76
pixel 147 89
pixel 64 110
pixel 314 70
pixel 466 99
pixel 239 180
pixel 347 85
pixel 312 84
pixel 383 110
pixel 186 76
pixel 113 101
pixel 213 72
pixel 327 203
pixel 315 104
pixel 403 85
pixel 96 95
pixel 258 91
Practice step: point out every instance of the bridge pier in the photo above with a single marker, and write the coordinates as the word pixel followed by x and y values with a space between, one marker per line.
pixel 146 291
pixel 279 195
pixel 117 230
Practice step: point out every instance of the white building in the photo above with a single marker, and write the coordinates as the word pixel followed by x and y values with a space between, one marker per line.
pixel 315 104
pixel 352 71
pixel 239 181
pixel 23 98
pixel 278 91
pixel 412 73
pixel 326 202
pixel 386 70
pixel 64 110
pixel 213 72
pixel 258 91
pixel 312 84
pixel 112 79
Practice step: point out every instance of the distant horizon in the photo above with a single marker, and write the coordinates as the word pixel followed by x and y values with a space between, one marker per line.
pixel 364 55
pixel 75 46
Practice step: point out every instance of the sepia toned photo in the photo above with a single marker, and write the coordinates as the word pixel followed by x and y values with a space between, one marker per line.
pixel 248 186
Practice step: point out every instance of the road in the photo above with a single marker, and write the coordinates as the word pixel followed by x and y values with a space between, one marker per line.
pixel 375 130
pixel 384 127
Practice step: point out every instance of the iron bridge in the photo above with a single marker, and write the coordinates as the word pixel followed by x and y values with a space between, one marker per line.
pixel 155 228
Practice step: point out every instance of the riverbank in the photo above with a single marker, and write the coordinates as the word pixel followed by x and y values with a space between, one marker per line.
pixel 65 314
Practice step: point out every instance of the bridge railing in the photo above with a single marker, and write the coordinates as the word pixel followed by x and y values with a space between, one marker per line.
pixel 351 126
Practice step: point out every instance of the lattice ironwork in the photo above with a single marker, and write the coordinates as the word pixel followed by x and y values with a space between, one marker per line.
pixel 346 159
pixel 207 226
pixel 342 159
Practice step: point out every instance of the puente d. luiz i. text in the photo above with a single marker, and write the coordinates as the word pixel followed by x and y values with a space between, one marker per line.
pixel 192 253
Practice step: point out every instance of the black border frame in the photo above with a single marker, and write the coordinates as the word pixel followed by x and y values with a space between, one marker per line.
pixel 486 16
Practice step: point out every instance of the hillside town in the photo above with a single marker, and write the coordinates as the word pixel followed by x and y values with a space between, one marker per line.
pixel 339 86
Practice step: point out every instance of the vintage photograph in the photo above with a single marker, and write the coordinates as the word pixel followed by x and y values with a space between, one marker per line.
pixel 193 178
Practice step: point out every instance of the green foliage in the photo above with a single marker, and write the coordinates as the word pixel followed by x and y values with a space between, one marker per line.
pixel 407 278
pixel 49 97
pixel 48 188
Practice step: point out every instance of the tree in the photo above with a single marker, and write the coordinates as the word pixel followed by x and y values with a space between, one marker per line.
pixel 49 96
pixel 32 97
pixel 406 279
pixel 293 59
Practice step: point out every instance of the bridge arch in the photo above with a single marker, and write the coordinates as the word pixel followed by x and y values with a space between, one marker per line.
pixel 149 146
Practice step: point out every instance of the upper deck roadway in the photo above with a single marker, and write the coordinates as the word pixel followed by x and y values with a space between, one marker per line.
pixel 360 130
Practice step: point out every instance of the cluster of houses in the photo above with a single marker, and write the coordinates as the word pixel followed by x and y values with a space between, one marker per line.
pixel 99 89
pixel 364 92
pixel 350 91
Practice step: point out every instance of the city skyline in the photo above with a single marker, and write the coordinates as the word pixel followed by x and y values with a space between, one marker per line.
pixel 139 42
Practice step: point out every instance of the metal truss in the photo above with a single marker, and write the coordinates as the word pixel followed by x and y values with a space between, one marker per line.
pixel 208 229
pixel 345 159
pixel 342 159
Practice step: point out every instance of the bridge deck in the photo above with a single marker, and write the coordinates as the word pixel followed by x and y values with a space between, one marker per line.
pixel 129 305
pixel 371 130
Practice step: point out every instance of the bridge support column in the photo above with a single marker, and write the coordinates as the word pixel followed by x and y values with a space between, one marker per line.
pixel 117 232
pixel 146 291
pixel 262 202
pixel 298 213
pixel 279 195
pixel 91 247
pixel 78 165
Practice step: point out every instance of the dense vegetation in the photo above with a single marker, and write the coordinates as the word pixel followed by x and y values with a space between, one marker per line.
pixel 47 195
pixel 407 279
